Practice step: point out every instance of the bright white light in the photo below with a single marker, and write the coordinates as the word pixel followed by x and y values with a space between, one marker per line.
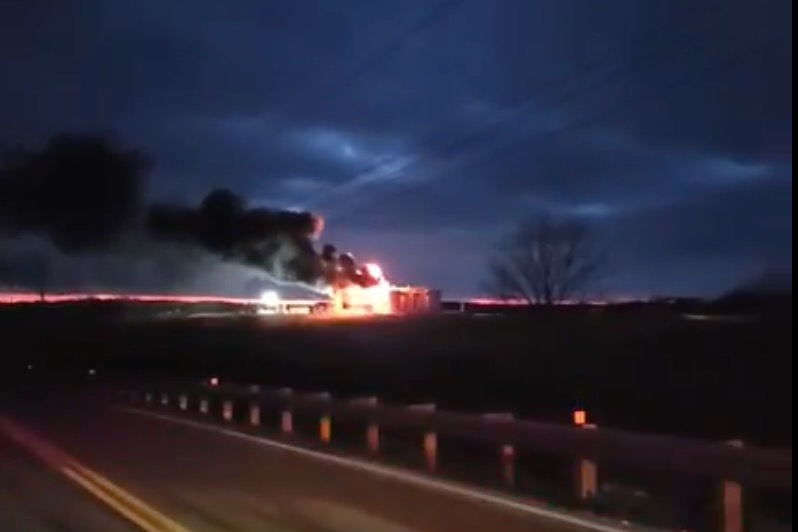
pixel 270 298
pixel 374 271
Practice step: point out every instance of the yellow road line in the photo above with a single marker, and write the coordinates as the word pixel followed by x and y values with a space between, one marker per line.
pixel 164 523
pixel 118 499
pixel 120 509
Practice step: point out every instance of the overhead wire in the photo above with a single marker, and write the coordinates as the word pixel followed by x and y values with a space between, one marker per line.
pixel 313 97
pixel 532 98
pixel 503 151
pixel 475 137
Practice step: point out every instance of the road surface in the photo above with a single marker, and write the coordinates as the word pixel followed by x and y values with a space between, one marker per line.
pixel 35 498
pixel 208 481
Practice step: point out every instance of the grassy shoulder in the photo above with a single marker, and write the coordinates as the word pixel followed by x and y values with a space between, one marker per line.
pixel 647 368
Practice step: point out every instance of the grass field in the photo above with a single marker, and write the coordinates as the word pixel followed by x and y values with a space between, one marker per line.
pixel 646 368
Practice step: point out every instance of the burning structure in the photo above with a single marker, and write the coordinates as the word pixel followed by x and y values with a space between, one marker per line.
pixel 365 289
pixel 282 244
pixel 414 300
pixel 352 287
pixel 44 193
pixel 382 299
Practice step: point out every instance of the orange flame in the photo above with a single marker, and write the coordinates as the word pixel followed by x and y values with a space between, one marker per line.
pixel 355 299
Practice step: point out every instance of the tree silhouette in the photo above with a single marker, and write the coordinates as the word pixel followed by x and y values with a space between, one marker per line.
pixel 545 261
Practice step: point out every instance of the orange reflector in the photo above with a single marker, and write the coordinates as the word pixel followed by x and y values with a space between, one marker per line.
pixel 580 417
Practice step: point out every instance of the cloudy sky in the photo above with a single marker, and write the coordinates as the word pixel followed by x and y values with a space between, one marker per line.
pixel 422 130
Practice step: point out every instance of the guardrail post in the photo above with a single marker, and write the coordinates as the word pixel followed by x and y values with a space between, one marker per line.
pixel 183 402
pixel 430 441
pixel 733 519
pixel 254 408
pixel 506 451
pixel 373 428
pixel 203 405
pixel 325 421
pixel 165 399
pixel 508 464
pixel 286 418
pixel 586 474
pixel 254 415
pixel 431 450
pixel 148 397
pixel 373 431
pixel 227 409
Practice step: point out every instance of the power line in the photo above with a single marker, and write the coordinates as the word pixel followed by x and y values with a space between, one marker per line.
pixel 321 94
pixel 759 46
pixel 521 105
pixel 630 67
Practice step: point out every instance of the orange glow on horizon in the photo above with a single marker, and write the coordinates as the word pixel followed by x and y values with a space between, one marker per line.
pixel 523 302
pixel 29 297
pixel 377 296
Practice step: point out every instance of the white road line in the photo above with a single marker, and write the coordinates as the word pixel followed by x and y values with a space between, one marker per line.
pixel 397 474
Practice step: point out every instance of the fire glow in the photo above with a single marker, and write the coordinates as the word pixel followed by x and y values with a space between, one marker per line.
pixel 363 291
pixel 343 297
pixel 375 298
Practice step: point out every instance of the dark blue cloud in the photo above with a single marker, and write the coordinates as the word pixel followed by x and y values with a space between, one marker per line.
pixel 668 123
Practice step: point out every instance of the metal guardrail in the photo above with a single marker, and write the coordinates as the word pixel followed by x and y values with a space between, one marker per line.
pixel 731 465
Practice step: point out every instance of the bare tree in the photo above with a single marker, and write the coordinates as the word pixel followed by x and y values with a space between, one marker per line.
pixel 545 261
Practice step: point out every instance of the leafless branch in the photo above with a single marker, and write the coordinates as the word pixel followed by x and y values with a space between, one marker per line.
pixel 545 261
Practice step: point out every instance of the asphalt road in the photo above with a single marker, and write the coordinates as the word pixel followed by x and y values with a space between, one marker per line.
pixel 35 498
pixel 207 481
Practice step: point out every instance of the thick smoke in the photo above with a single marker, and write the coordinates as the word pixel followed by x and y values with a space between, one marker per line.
pixel 81 192
pixel 84 194
pixel 279 243
pixel 341 270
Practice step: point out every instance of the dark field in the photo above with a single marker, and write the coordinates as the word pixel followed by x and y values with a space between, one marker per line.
pixel 645 368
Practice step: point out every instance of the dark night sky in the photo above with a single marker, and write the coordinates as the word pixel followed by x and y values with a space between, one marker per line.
pixel 667 123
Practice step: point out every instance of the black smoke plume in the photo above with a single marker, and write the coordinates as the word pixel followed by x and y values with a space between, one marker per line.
pixel 342 270
pixel 81 192
pixel 279 243
pixel 84 193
